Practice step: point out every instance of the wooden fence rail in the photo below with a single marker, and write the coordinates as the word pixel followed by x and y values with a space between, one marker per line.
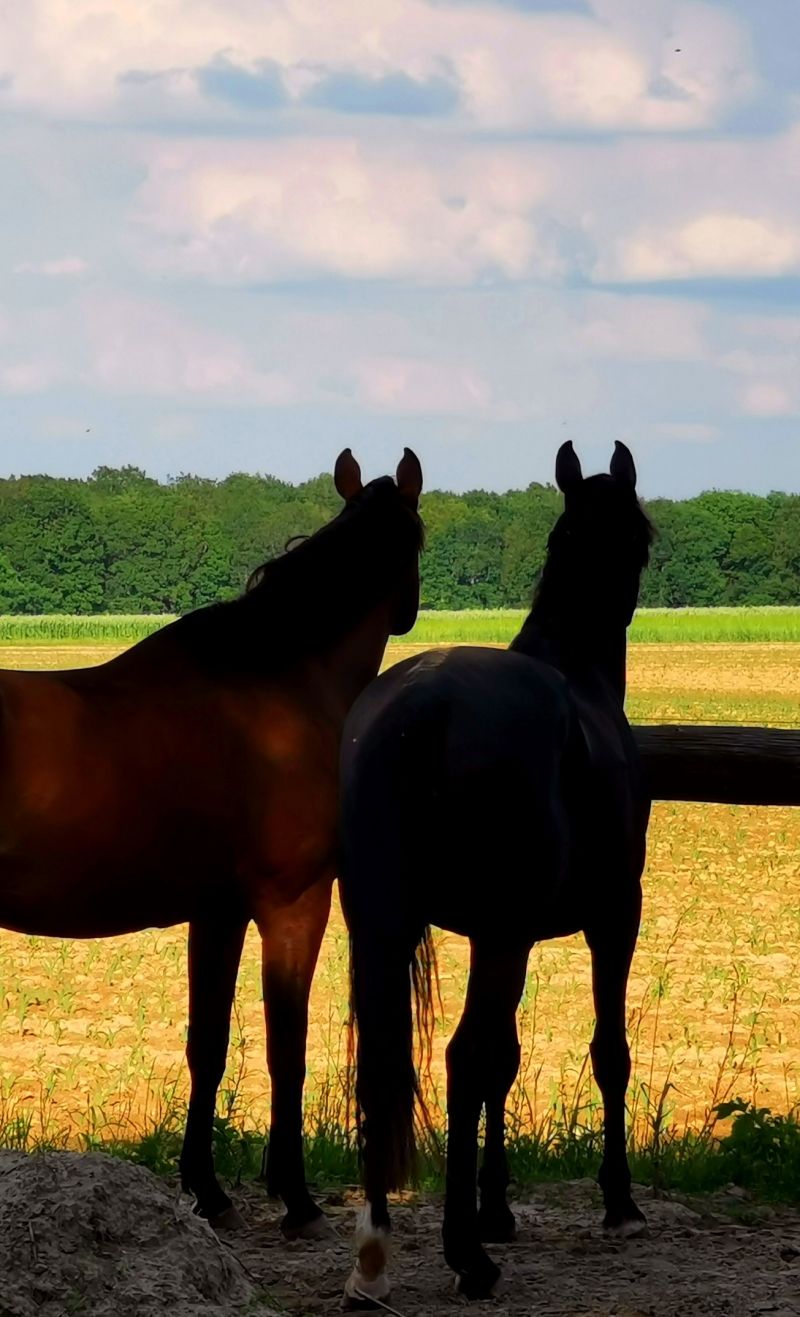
pixel 723 765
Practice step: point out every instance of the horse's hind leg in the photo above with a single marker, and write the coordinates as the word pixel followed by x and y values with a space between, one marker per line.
pixel 214 954
pixel 482 1059
pixel 612 951
pixel 368 1286
pixel 290 937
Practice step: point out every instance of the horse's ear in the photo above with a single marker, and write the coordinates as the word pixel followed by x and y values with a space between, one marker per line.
pixel 568 468
pixel 622 466
pixel 347 476
pixel 409 477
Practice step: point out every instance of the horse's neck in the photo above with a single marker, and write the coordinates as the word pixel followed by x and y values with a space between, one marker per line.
pixel 348 666
pixel 584 656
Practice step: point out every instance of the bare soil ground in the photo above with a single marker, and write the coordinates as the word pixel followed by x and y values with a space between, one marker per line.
pixel 719 1255
pixel 95 1236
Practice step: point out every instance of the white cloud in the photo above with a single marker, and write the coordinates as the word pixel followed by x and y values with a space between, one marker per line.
pixel 641 210
pixel 434 210
pixel 509 69
pixel 249 212
pixel 63 265
pixel 712 245
pixel 698 53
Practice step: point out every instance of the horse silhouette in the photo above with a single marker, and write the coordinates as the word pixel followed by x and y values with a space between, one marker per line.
pixel 195 777
pixel 497 794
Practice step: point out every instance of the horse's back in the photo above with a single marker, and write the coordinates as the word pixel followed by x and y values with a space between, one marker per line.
pixel 452 767
pixel 482 696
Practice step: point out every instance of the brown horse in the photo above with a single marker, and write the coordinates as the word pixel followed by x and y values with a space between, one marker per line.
pixel 194 778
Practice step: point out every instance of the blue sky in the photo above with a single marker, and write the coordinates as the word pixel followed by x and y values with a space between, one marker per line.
pixel 240 236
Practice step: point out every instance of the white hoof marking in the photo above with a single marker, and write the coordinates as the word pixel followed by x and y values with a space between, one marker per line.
pixel 358 1287
pixel 368 1279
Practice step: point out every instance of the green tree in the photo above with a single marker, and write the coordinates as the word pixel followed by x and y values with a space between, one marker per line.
pixel 53 545
pixel 123 542
pixel 12 590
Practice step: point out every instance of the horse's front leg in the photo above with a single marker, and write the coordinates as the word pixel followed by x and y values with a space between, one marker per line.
pixel 215 949
pixel 496 1222
pixel 482 1060
pixel 291 936
pixel 612 948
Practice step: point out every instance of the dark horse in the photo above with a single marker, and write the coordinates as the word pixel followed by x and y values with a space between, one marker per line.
pixel 195 778
pixel 497 794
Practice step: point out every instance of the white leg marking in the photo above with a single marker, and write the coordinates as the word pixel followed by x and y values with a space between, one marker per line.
pixel 368 1277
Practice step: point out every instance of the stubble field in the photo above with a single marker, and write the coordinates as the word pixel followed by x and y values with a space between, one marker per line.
pixel 92 1034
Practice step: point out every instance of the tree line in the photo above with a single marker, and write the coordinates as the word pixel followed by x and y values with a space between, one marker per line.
pixel 121 542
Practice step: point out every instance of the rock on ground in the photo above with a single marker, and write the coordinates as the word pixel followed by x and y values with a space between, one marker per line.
pixel 92 1235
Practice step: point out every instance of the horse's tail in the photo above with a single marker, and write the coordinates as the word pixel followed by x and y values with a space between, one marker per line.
pixel 389 1097
pixel 388 752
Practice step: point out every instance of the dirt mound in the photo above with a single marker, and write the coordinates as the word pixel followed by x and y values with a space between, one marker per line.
pixel 93 1235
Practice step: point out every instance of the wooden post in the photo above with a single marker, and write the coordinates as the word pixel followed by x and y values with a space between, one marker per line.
pixel 724 765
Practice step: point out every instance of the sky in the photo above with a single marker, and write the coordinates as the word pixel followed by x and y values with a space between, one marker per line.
pixel 239 236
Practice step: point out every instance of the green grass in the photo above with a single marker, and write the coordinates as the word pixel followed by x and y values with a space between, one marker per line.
pixel 471 626
pixel 733 626
pixel 650 626
pixel 756 1150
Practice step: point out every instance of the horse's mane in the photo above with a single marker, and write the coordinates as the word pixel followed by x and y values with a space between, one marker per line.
pixel 304 600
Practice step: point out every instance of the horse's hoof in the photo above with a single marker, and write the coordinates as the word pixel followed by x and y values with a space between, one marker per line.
pixel 480 1282
pixel 365 1295
pixel 318 1228
pixel 629 1224
pixel 497 1226
pixel 228 1221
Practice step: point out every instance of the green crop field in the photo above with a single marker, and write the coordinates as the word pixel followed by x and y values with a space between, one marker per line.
pixel 472 626
pixel 72 629
pixel 651 626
